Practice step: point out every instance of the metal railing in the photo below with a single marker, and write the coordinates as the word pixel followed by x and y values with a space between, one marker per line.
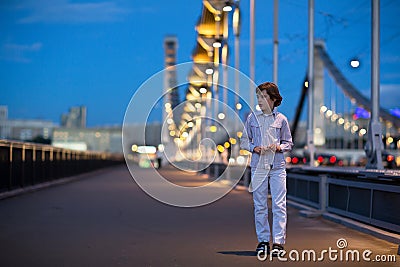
pixel 26 164
pixel 369 196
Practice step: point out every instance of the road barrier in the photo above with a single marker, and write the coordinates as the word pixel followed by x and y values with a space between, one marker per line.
pixel 25 164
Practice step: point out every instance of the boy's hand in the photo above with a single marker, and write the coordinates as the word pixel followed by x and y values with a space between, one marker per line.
pixel 257 150
pixel 274 148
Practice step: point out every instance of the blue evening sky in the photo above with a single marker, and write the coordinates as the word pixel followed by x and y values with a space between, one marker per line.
pixel 55 54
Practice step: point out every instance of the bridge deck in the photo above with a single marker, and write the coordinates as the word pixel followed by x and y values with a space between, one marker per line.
pixel 105 219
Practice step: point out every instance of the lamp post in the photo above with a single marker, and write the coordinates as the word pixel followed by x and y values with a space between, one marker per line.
pixel 276 20
pixel 236 31
pixel 252 48
pixel 373 148
pixel 310 128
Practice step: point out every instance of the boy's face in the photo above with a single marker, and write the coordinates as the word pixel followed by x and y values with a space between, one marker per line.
pixel 265 103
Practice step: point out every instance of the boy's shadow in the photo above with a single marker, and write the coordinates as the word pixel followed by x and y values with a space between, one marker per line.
pixel 248 253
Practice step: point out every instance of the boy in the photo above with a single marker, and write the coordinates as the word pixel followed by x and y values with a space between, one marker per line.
pixel 267 135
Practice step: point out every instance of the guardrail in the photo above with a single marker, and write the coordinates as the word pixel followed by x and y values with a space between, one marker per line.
pixel 26 164
pixel 369 196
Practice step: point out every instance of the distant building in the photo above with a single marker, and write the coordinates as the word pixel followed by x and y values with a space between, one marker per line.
pixel 24 129
pixel 108 139
pixel 75 118
pixel 3 113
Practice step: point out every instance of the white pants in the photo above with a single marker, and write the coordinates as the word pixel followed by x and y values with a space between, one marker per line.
pixel 277 180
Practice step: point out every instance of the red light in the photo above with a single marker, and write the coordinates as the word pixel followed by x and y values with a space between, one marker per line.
pixel 320 159
pixel 332 159
pixel 340 163
pixel 295 160
pixel 304 160
pixel 390 158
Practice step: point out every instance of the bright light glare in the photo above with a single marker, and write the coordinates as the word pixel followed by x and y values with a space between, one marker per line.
pixel 221 116
pixel 146 149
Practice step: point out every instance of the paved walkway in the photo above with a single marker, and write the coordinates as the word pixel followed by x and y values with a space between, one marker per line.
pixel 105 219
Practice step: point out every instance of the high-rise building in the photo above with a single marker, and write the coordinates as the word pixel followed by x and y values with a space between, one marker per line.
pixel 75 118
pixel 170 47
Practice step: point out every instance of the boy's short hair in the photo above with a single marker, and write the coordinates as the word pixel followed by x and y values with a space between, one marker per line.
pixel 272 91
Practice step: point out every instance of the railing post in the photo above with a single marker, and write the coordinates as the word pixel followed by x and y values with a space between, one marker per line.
pixel 323 189
pixel 10 167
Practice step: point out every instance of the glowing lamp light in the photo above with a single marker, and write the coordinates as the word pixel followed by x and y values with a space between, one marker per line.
pixel 209 71
pixel 221 116
pixel 220 148
pixel 217 44
pixel 134 148
pixel 329 113
pixel 355 63
pixel 227 8
pixel 203 90
pixel 323 109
